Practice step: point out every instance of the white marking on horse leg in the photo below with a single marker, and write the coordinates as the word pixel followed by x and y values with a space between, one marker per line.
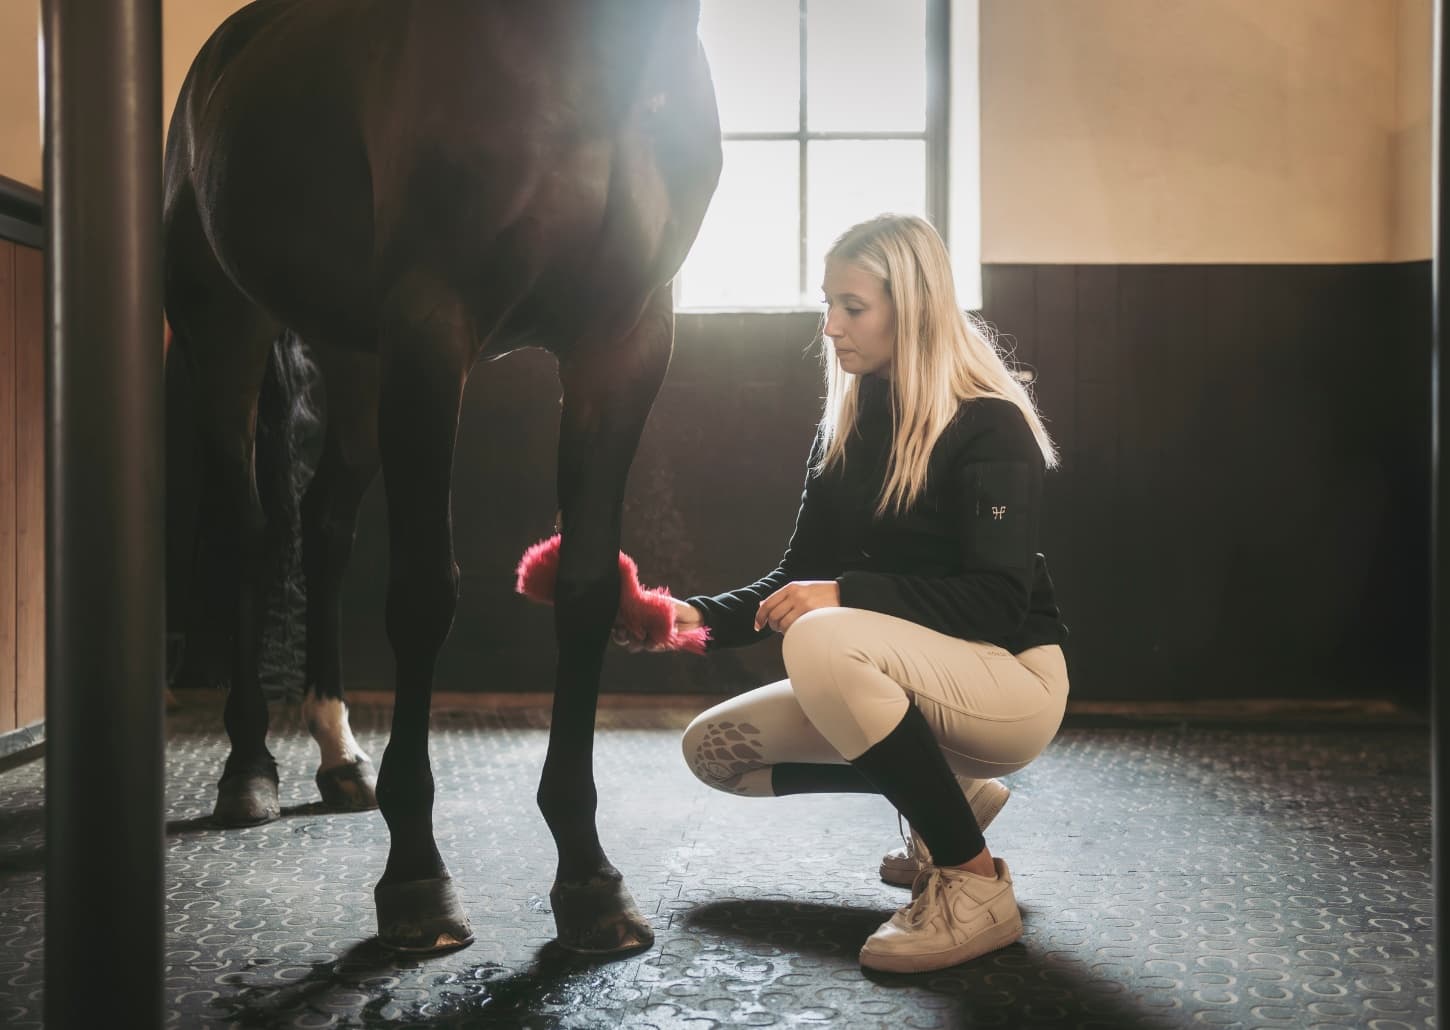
pixel 327 722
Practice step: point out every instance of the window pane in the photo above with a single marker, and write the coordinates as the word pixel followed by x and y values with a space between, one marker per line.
pixel 748 250
pixel 853 180
pixel 866 65
pixel 755 60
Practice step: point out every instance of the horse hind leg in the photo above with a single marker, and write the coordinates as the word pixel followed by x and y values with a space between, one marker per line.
pixel 230 345
pixel 349 462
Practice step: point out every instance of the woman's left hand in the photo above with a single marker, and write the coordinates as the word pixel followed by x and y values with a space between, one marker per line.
pixel 793 600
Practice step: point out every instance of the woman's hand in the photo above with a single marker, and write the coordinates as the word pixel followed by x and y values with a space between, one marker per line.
pixel 687 617
pixel 790 602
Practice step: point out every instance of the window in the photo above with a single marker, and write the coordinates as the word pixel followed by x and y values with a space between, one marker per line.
pixel 832 111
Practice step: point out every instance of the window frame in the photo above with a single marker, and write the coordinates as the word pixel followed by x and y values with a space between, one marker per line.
pixel 936 135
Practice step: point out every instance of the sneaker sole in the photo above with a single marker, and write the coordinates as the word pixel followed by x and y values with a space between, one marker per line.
pixel 902 873
pixel 998 936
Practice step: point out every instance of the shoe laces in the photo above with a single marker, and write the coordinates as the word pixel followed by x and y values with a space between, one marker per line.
pixel 929 897
pixel 915 846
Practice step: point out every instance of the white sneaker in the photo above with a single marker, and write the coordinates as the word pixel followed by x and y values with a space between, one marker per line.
pixel 956 915
pixel 900 867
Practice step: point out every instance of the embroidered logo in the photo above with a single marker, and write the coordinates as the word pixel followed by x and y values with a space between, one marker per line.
pixel 998 511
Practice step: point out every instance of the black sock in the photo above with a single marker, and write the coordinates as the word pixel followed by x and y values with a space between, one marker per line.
pixel 813 778
pixel 908 767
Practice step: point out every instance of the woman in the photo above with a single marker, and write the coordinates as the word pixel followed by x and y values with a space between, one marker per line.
pixel 921 634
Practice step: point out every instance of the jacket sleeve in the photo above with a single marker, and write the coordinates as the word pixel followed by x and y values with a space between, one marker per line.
pixel 996 493
pixel 731 615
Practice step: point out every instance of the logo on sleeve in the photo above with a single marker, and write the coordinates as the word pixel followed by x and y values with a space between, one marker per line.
pixel 999 511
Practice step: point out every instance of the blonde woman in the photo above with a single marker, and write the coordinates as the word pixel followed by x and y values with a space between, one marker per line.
pixel 922 639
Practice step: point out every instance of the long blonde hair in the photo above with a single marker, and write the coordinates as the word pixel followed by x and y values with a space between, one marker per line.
pixel 942 356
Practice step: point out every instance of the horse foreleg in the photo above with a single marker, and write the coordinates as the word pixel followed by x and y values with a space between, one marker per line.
pixel 607 397
pixel 423 366
pixel 345 775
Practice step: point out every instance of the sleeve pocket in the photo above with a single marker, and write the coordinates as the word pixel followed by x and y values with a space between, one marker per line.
pixel 997 516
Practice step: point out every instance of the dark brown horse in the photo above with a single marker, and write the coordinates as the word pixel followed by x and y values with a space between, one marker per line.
pixel 410 187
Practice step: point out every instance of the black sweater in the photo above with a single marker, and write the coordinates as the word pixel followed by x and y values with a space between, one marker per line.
pixel 962 560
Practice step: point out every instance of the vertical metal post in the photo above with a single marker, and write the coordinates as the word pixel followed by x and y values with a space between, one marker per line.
pixel 1439 511
pixel 104 495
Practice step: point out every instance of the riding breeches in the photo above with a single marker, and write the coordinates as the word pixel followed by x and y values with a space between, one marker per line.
pixel 852 675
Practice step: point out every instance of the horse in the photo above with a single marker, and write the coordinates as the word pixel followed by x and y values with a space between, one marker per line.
pixel 400 190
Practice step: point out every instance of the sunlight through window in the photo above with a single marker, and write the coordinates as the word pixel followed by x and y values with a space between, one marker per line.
pixel 826 121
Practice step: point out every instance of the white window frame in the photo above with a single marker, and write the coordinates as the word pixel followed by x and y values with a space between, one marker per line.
pixel 951 136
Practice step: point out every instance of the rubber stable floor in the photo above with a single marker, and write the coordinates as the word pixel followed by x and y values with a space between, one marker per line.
pixel 1168 877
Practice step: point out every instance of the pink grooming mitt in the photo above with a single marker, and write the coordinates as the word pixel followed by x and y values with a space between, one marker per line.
pixel 646 614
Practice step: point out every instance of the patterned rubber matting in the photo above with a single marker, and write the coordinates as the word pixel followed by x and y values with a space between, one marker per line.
pixel 1168 877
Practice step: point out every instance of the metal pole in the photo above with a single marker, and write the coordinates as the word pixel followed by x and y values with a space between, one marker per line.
pixel 104 495
pixel 1439 509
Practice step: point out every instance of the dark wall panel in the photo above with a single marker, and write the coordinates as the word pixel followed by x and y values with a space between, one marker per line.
pixel 1242 507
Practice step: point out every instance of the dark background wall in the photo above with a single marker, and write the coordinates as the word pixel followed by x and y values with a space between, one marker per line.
pixel 1242 509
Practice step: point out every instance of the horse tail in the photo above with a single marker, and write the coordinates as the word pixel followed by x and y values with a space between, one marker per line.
pixel 287 434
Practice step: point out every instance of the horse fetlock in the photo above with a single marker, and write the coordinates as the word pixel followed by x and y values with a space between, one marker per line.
pixel 327 721
pixel 567 807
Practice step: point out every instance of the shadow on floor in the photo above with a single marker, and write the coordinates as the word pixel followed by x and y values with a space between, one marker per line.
pixel 487 994
pixel 1016 986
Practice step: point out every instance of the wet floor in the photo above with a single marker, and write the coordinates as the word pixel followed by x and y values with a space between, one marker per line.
pixel 1168 877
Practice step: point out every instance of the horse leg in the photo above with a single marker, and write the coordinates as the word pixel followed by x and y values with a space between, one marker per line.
pixel 425 347
pixel 228 342
pixel 349 461
pixel 608 392
pixel 231 368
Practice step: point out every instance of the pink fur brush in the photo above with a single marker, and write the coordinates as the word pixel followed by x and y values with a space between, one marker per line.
pixel 646 614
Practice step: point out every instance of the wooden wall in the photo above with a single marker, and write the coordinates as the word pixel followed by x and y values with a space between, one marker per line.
pixel 22 487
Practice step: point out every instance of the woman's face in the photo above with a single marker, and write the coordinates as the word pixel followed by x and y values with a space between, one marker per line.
pixel 860 320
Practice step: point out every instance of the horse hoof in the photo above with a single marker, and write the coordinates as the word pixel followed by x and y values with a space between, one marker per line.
pixel 598 917
pixel 246 799
pixel 349 788
pixel 421 916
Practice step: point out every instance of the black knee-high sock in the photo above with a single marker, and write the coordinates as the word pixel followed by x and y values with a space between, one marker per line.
pixel 812 778
pixel 908 767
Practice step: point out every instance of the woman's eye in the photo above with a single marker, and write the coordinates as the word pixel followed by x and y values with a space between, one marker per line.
pixel 853 312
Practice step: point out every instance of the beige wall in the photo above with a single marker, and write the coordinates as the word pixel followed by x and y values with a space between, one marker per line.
pixel 1410 209
pixel 187 23
pixel 20 91
pixel 1190 131
pixel 1112 130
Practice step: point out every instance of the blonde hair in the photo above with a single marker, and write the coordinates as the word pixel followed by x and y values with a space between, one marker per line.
pixel 942 356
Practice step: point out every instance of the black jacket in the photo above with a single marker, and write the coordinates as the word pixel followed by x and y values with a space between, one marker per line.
pixel 963 560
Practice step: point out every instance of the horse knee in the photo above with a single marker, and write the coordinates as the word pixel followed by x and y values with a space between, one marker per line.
pixel 585 605
pixel 420 607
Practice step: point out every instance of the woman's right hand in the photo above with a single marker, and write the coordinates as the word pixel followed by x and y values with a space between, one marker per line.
pixel 687 617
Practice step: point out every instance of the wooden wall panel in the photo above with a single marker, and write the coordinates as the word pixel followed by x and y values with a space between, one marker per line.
pixel 1248 504
pixel 7 487
pixel 30 484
